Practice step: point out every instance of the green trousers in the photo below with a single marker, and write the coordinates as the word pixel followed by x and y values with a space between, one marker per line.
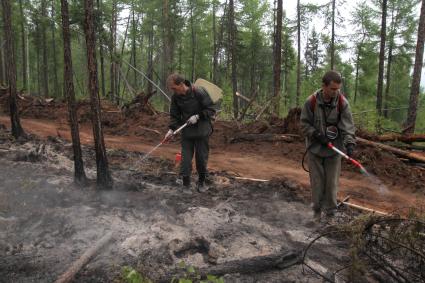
pixel 324 180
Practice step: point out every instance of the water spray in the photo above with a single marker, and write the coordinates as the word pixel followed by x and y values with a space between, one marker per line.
pixel 163 141
pixel 353 161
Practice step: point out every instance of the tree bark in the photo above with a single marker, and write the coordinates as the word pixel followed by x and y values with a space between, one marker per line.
pixel 150 58
pixel 24 52
pixel 79 174
pixel 104 179
pixel 17 130
pixel 45 67
pixel 57 90
pixel 297 100
pixel 112 46
pixel 277 58
pixel 101 50
pixel 399 152
pixel 232 34
pixel 333 36
pixel 403 138
pixel 215 45
pixel 416 79
pixel 133 44
pixel 381 59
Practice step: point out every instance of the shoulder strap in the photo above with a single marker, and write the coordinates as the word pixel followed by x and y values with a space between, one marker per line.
pixel 313 101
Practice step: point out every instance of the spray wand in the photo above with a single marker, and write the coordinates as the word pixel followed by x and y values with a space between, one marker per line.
pixel 353 161
pixel 163 141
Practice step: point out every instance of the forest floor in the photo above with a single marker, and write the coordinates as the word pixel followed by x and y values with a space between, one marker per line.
pixel 47 222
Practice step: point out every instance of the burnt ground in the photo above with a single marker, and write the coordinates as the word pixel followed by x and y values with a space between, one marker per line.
pixel 47 222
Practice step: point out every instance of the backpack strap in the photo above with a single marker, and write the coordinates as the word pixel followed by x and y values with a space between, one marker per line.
pixel 313 102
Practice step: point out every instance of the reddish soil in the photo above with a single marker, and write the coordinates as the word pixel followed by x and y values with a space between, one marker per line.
pixel 395 184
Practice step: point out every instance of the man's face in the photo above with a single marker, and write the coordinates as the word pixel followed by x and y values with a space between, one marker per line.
pixel 179 89
pixel 331 90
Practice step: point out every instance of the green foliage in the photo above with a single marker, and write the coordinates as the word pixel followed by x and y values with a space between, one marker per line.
pixel 130 275
pixel 190 275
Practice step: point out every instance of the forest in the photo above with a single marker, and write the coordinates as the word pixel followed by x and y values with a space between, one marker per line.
pixel 91 191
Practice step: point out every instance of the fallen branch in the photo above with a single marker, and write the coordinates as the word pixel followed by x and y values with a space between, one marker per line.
pixel 256 264
pixel 406 154
pixel 83 260
pixel 402 138
pixel 150 130
pixel 362 208
pixel 261 137
pixel 251 179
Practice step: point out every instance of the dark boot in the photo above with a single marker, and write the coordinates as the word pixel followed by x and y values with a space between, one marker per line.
pixel 186 181
pixel 200 186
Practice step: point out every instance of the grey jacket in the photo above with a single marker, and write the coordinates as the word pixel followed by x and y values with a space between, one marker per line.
pixel 325 115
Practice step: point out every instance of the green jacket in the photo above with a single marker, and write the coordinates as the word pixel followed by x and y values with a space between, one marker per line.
pixel 195 101
pixel 325 115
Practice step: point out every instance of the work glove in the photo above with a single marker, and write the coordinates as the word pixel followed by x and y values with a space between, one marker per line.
pixel 322 139
pixel 169 134
pixel 193 119
pixel 350 149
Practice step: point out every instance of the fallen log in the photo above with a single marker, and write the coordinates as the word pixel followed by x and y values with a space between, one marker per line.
pixel 399 152
pixel 250 102
pixel 150 130
pixel 68 276
pixel 256 264
pixel 261 137
pixel 403 138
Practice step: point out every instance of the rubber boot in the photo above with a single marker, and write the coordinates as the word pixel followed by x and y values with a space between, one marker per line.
pixel 186 181
pixel 200 186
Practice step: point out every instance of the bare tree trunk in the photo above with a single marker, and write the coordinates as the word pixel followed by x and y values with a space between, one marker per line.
pixel 45 67
pixel 24 52
pixel 297 100
pixel 232 34
pixel 356 81
pixel 133 45
pixel 277 58
pixel 150 58
pixel 79 174
pixel 333 36
pixel 193 37
pixel 215 45
pixel 416 80
pixel 17 130
pixel 381 59
pixel 388 80
pixel 2 72
pixel 167 67
pixel 37 28
pixel 104 179
pixel 102 62
pixel 112 47
pixel 57 91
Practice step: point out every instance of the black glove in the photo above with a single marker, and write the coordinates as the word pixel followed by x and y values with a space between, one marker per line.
pixel 350 149
pixel 322 139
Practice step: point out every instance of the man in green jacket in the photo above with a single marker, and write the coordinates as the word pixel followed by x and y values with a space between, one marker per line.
pixel 192 105
pixel 326 117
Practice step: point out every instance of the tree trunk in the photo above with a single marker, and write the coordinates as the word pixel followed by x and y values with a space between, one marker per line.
pixel 17 130
pixel 333 36
pixel 193 45
pixel 277 58
pixel 150 58
pixel 79 174
pixel 297 101
pixel 416 79
pixel 2 71
pixel 57 91
pixel 104 179
pixel 45 67
pixel 388 79
pixel 215 45
pixel 403 138
pixel 167 67
pixel 356 81
pixel 133 45
pixel 381 59
pixel 232 34
pixel 24 52
pixel 101 51
pixel 112 46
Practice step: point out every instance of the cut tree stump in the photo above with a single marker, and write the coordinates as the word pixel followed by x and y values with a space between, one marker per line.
pixel 262 137
pixel 69 275
pixel 399 152
pixel 256 264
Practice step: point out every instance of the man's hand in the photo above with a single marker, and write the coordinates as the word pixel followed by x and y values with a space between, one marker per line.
pixel 350 149
pixel 322 139
pixel 193 120
pixel 169 134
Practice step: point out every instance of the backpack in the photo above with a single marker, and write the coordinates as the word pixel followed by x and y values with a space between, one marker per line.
pixel 214 92
pixel 339 106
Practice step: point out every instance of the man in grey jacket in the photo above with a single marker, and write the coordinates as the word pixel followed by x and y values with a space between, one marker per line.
pixel 326 117
pixel 191 105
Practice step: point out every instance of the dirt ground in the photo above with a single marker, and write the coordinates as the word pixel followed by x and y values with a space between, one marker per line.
pixel 46 222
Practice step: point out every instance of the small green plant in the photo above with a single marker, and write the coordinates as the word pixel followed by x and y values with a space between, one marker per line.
pixel 130 275
pixel 191 275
